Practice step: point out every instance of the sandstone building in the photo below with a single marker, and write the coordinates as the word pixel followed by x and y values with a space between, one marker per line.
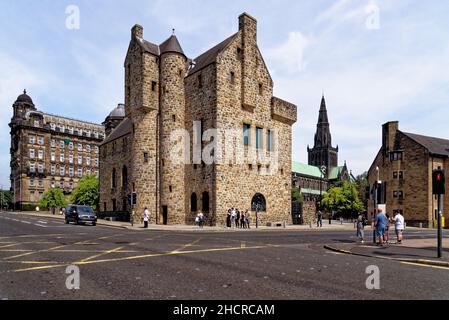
pixel 404 164
pixel 227 88
pixel 49 151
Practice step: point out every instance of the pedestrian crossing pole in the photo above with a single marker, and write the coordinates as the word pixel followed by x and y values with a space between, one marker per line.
pixel 439 188
pixel 440 227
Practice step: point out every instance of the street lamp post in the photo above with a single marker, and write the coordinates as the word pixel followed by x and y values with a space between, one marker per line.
pixel 375 206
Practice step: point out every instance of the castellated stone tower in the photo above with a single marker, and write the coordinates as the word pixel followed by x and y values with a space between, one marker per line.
pixel 172 116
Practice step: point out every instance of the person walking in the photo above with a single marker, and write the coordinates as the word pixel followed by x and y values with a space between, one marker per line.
pixel 399 225
pixel 319 220
pixel 228 218
pixel 360 227
pixel 330 217
pixel 146 217
pixel 233 215
pixel 247 219
pixel 200 220
pixel 381 222
pixel 237 218
pixel 242 221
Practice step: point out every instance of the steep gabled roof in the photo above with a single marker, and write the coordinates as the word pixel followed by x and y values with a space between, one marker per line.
pixel 436 146
pixel 171 45
pixel 148 46
pixel 124 128
pixel 210 56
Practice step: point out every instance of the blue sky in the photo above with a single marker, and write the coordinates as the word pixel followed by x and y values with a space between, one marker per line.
pixel 376 61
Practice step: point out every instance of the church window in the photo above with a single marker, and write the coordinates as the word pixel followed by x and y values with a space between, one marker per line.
pixel 153 86
pixel 260 89
pixel 232 77
pixel 270 140
pixel 246 128
pixel 145 157
pixel 174 118
pixel 259 138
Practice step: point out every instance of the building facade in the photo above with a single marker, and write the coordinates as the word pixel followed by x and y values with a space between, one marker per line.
pixel 222 98
pixel 49 151
pixel 404 165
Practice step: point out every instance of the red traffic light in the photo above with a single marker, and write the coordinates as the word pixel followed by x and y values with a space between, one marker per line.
pixel 438 177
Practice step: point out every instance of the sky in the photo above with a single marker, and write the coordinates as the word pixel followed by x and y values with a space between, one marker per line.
pixel 375 60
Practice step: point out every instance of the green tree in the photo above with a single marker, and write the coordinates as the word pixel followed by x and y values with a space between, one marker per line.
pixel 86 192
pixel 52 199
pixel 296 195
pixel 5 197
pixel 343 199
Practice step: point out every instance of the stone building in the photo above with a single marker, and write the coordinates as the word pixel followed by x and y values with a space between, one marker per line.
pixel 404 164
pixel 172 100
pixel 322 170
pixel 49 151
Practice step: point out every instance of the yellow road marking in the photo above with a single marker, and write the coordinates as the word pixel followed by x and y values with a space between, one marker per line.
pixel 242 244
pixel 33 235
pixel 140 257
pixel 187 245
pixel 425 265
pixel 29 253
pixel 100 254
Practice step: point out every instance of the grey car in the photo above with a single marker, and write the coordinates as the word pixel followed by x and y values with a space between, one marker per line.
pixel 80 214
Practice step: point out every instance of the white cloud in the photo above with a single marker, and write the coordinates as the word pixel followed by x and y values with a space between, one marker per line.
pixel 288 57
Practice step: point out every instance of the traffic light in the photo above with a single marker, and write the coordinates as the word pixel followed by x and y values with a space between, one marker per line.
pixel 438 182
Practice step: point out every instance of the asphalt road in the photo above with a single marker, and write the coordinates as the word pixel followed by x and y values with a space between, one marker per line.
pixel 243 265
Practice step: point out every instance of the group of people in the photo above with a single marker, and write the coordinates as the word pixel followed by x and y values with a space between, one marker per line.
pixel 238 218
pixel 381 222
pixel 200 219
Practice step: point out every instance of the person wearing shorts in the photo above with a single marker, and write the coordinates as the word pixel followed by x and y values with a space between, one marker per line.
pixel 380 223
pixel 399 226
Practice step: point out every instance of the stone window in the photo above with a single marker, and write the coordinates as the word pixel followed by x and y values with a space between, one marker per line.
pixel 61 157
pixel 80 160
pixel 71 184
pixel 31 139
pixel 53 169
pixel 205 201
pixel 40 168
pixel 174 118
pixel 250 167
pixel 87 148
pixel 193 202
pixel 96 173
pixel 40 154
pixel 259 167
pixel 145 157
pixel 31 153
pixel 71 158
pixel 53 126
pixel 87 161
pixel 260 89
pixel 259 138
pixel 61 144
pixel 61 184
pixel 71 172
pixel 70 145
pixel 200 81
pixel 395 174
pixel 96 149
pixel 232 77
pixel 114 178
pixel 96 162
pixel 401 175
pixel 246 137
pixel 71 130
pixel 170 188
pixel 40 183
pixel 53 184
pixel 53 143
pixel 398 194
pixel 239 53
pixel 36 123
pixel 153 86
pixel 124 177
pixel 40 140
pixel 396 156
pixel 80 173
pixel 31 182
pixel 258 203
pixel 62 173
pixel 61 128
pixel 53 156
pixel 32 167
pixel 80 147
pixel 270 140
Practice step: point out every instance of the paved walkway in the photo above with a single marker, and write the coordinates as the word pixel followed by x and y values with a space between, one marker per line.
pixel 336 225
pixel 423 251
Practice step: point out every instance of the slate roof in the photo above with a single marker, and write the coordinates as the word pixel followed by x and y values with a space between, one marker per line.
pixel 171 45
pixel 210 56
pixel 148 46
pixel 436 146
pixel 124 128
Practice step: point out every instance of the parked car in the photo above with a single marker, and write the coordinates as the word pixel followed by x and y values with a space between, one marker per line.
pixel 80 214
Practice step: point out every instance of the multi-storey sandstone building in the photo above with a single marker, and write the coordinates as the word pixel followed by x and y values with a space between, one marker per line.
pixel 404 165
pixel 49 151
pixel 171 100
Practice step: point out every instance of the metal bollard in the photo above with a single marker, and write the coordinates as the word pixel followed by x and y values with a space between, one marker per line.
pixel 310 224
pixel 420 225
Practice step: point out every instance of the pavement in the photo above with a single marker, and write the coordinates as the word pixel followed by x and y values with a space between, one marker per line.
pixel 336 225
pixel 38 252
pixel 422 250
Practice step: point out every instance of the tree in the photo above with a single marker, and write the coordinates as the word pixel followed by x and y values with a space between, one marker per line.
pixel 5 198
pixel 344 199
pixel 53 198
pixel 362 184
pixel 296 195
pixel 86 192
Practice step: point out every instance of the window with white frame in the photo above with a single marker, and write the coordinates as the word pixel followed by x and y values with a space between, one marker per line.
pixel 96 149
pixel 53 156
pixel 53 126
pixel 53 143
pixel 61 157
pixel 88 147
pixel 31 139
pixel 71 172
pixel 87 161
pixel 80 131
pixel 31 182
pixel 31 153
pixel 53 169
pixel 96 173
pixel 37 123
pixel 96 162
pixel 40 140
pixel 80 173
pixel 61 127
pixel 71 130
pixel 96 134
pixel 62 171
pixel 61 184
pixel 88 133
pixel 70 145
pixel 71 184
pixel 53 183
pixel 71 158
pixel 80 147
pixel 32 167
pixel 40 183
pixel 88 172
pixel 40 154
pixel 61 144
pixel 40 168
pixel 80 160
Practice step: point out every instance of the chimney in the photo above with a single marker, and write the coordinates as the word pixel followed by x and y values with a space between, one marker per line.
pixel 389 130
pixel 137 31
pixel 249 27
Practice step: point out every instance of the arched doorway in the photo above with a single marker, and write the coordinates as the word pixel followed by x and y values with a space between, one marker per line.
pixel 193 202
pixel 205 201
pixel 258 203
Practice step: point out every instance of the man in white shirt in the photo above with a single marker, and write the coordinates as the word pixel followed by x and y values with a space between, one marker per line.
pixel 399 226
pixel 146 218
